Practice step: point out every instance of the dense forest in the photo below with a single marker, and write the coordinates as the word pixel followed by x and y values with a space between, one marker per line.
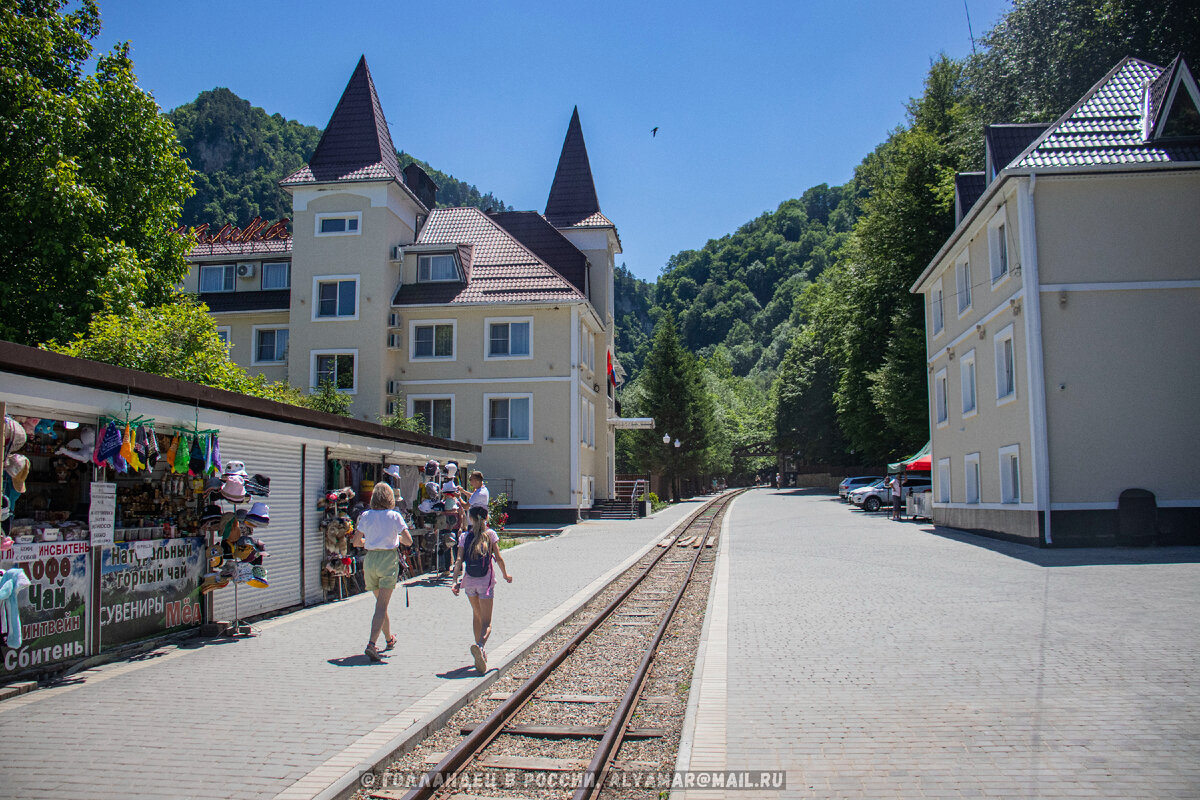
pixel 240 153
pixel 800 323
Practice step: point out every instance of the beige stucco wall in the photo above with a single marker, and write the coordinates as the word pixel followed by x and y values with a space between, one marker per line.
pixel 995 424
pixel 365 256
pixel 1126 227
pixel 1123 392
pixel 241 329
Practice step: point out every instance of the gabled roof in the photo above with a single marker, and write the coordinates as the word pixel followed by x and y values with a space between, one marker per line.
pixel 1105 127
pixel 533 231
pixel 968 187
pixel 502 270
pixel 572 201
pixel 1172 104
pixel 1003 143
pixel 356 144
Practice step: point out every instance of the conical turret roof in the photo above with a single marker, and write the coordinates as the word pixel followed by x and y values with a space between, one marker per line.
pixel 356 144
pixel 573 201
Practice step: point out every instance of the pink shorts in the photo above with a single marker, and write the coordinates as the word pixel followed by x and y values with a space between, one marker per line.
pixel 485 589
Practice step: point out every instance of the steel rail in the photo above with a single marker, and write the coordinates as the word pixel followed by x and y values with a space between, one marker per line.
pixel 444 772
pixel 593 778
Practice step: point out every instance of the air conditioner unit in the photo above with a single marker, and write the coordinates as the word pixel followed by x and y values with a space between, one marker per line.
pixel 246 269
pixel 393 341
pixel 393 320
pixel 397 252
pixel 393 387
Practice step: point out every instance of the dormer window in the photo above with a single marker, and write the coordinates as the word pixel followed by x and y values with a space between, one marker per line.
pixel 1171 104
pixel 437 267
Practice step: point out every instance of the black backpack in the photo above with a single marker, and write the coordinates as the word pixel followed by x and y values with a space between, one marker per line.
pixel 477 567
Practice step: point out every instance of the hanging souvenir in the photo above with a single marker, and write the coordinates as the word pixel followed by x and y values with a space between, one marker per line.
pixel 171 453
pixel 195 464
pixel 181 455
pixel 109 446
pixel 216 456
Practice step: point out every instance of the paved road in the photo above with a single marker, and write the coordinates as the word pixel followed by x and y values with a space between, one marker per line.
pixel 250 718
pixel 874 659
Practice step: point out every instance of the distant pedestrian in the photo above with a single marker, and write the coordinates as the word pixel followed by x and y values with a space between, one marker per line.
pixel 778 481
pixel 477 549
pixel 897 486
pixel 381 530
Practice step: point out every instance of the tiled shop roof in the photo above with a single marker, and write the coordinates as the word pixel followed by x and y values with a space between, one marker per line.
pixel 502 270
pixel 1105 127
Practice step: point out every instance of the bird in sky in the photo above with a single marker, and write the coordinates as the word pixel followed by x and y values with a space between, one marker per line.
pixel 654 132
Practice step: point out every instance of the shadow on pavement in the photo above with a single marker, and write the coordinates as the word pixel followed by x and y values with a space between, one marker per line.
pixel 359 660
pixel 461 672
pixel 1072 556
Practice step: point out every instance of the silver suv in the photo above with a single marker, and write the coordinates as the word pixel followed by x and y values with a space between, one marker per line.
pixel 878 496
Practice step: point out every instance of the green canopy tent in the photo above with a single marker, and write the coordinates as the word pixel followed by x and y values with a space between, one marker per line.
pixel 921 461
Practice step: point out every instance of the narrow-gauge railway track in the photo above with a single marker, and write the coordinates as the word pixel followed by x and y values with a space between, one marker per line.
pixel 668 574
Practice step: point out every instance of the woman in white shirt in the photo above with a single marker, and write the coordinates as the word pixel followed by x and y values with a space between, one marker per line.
pixel 381 530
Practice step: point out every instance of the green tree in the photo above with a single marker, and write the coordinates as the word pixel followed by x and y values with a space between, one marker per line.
pixel 803 414
pixel 673 393
pixel 91 178
pixel 329 399
pixel 177 340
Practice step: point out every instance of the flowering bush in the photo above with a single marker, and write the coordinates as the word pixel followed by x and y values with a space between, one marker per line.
pixel 498 511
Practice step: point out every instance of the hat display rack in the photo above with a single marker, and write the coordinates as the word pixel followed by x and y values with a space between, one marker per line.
pixel 338 528
pixel 436 499
pixel 234 555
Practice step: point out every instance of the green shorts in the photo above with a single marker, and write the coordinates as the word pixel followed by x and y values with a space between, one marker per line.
pixel 380 569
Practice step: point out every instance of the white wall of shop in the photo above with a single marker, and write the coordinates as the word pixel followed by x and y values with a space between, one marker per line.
pixel 279 461
pixel 270 447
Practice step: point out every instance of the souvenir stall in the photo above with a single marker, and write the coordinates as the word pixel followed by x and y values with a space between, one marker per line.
pixel 439 516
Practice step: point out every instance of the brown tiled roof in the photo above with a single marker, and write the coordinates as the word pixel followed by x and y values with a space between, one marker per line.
pixel 276 247
pixel 356 144
pixel 501 269
pixel 573 193
pixel 536 233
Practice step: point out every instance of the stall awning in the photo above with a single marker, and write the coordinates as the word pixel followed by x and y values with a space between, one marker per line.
pixel 921 461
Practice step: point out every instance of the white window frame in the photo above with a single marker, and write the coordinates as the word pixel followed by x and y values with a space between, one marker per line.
pixel 937 308
pixel 971 471
pixel 587 430
pixel 944 480
pixel 227 332
pixel 346 215
pixel 336 351
pixel 229 269
pixel 454 260
pixel 588 342
pixel 316 297
pixel 413 399
pixel 967 368
pixel 413 324
pixel 587 491
pixel 488 322
pixel 1002 336
pixel 254 329
pixel 997 229
pixel 487 410
pixel 287 265
pixel 962 283
pixel 941 402
pixel 1010 492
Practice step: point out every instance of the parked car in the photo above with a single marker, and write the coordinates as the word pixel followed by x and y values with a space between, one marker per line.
pixel 880 494
pixel 856 496
pixel 850 484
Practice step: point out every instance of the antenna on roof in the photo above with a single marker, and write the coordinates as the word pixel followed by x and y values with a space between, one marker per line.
pixel 970 30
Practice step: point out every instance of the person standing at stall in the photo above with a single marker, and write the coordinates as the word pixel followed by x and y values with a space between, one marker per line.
pixel 478 497
pixel 477 549
pixel 381 530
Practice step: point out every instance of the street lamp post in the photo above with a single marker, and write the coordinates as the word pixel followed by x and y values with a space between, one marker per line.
pixel 677 445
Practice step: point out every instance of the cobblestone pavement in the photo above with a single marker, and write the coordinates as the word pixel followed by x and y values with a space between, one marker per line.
pixel 250 718
pixel 876 659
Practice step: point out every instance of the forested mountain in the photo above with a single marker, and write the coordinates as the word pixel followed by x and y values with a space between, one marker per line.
pixel 812 300
pixel 240 153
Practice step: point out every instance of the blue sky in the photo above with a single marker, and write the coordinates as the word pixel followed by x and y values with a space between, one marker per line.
pixel 755 101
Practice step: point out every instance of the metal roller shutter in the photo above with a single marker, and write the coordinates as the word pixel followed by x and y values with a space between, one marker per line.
pixel 314 539
pixel 279 461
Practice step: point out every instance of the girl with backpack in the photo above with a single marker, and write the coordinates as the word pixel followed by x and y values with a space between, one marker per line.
pixel 477 549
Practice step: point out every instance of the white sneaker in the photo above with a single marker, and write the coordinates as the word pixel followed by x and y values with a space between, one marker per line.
pixel 480 658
